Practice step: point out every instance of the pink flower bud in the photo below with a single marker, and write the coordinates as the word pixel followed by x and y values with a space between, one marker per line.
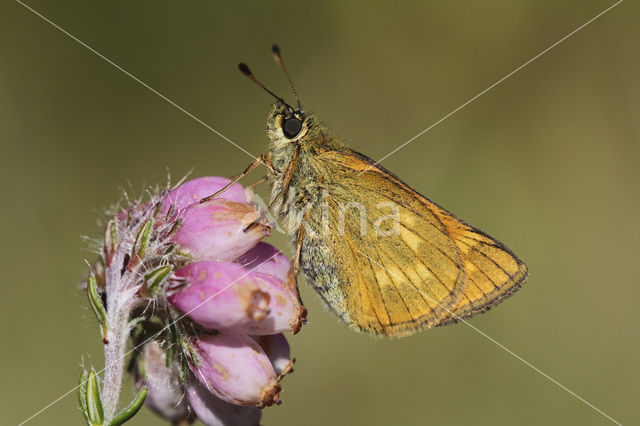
pixel 220 295
pixel 267 259
pixel 165 396
pixel 191 192
pixel 212 411
pixel 277 349
pixel 226 296
pixel 234 368
pixel 285 311
pixel 217 230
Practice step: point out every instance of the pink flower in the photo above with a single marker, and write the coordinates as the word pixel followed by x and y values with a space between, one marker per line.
pixel 166 393
pixel 219 230
pixel 220 295
pixel 227 296
pixel 233 367
pixel 212 411
pixel 277 349
pixel 194 190
pixel 267 259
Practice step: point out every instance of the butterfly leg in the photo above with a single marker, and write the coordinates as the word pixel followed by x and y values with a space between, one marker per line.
pixel 259 182
pixel 262 159
pixel 287 176
pixel 292 278
pixel 295 266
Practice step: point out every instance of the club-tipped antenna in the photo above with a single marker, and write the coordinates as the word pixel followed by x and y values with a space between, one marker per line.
pixel 276 54
pixel 246 71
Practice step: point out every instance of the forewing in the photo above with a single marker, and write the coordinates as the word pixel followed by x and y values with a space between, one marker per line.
pixel 396 267
pixel 432 270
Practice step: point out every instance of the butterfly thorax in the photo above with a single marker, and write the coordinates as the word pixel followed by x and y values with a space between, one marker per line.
pixel 298 176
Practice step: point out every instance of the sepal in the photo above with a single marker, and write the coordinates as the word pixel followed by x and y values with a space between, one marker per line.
pixel 95 300
pixel 131 409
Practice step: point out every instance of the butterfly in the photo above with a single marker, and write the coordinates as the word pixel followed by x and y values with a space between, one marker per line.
pixel 385 259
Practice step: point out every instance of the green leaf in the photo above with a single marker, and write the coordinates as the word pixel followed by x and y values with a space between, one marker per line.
pixel 113 231
pixel 156 277
pixel 192 352
pixel 136 321
pixel 96 304
pixel 110 237
pixel 142 239
pixel 171 211
pixel 170 249
pixel 82 394
pixel 131 409
pixel 174 227
pixel 156 210
pixel 94 403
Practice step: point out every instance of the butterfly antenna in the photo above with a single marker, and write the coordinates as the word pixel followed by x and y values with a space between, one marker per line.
pixel 276 54
pixel 246 71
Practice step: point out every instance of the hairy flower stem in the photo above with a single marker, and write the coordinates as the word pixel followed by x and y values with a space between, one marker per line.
pixel 114 354
pixel 121 287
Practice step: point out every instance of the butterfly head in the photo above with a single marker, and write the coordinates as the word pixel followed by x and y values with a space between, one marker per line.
pixel 286 124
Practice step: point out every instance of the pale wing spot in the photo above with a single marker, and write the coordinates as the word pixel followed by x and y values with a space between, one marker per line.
pixel 407 219
pixel 441 264
pixel 365 301
pixel 416 280
pixel 374 290
pixel 493 272
pixel 416 301
pixel 480 280
pixel 374 315
pixel 396 307
pixel 410 239
pixel 437 288
pixel 473 290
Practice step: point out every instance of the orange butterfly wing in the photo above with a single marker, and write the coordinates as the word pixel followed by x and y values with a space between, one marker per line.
pixel 434 271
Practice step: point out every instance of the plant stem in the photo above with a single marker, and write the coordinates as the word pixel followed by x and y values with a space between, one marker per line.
pixel 120 288
pixel 114 354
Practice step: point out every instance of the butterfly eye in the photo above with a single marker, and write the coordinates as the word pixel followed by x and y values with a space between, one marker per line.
pixel 291 127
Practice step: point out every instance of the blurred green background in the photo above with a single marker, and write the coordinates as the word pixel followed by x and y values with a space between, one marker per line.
pixel 548 162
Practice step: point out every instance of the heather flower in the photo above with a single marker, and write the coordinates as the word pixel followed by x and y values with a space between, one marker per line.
pixel 233 367
pixel 213 411
pixel 267 259
pixel 219 229
pixel 277 349
pixel 227 296
pixel 191 192
pixel 166 392
pixel 220 295
pixel 206 300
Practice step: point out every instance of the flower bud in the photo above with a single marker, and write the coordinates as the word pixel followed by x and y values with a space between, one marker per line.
pixel 285 311
pixel 226 296
pixel 267 259
pixel 213 411
pixel 234 368
pixel 165 396
pixel 217 230
pixel 277 349
pixel 191 192
pixel 220 295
